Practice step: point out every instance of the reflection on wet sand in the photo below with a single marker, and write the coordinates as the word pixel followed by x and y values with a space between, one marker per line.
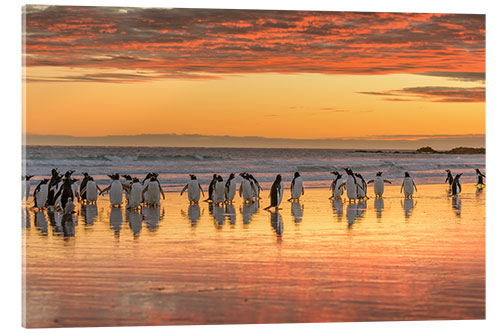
pixel 378 204
pixel 297 210
pixel 152 216
pixel 338 208
pixel 456 204
pixel 408 206
pixel 134 218
pixel 116 219
pixel 248 210
pixel 89 213
pixel 231 213
pixel 25 219
pixel 277 222
pixel 351 213
pixel 41 222
pixel 218 214
pixel 68 225
pixel 193 214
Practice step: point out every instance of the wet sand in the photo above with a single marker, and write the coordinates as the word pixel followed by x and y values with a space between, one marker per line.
pixel 313 261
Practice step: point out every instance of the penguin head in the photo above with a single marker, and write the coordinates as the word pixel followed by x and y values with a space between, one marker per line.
pixel 231 176
pixel 278 178
pixel 29 177
pixel 219 178
pixel 477 171
pixel 127 177
pixel 54 172
pixel 297 174
pixel 193 177
pixel 379 173
pixel 135 180
pixel 44 181
pixel 407 174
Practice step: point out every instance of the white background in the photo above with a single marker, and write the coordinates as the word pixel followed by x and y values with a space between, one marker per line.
pixel 11 97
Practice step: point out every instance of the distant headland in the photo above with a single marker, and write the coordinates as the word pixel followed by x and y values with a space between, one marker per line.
pixel 430 150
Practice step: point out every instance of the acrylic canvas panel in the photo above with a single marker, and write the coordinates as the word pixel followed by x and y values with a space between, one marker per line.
pixel 209 166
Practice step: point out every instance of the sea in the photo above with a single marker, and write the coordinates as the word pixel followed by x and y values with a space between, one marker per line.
pixel 175 164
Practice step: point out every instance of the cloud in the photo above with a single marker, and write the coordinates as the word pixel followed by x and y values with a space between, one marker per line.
pixel 252 41
pixel 434 94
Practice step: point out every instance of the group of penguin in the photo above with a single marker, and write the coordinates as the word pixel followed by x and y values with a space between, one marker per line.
pixel 61 189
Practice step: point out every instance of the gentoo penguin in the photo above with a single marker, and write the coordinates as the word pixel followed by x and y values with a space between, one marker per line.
pixel 53 187
pixel 230 188
pixel 26 186
pixel 135 194
pixel 70 207
pixel 256 186
pixel 480 178
pixel 83 185
pixel 351 185
pixel 40 193
pixel 193 187
pixel 211 187
pixel 154 190
pixel 276 193
pixel 66 190
pixel 378 184
pixel 408 185
pixel 337 186
pixel 456 187
pixel 115 190
pixel 362 188
pixel 127 184
pixel 90 190
pixel 247 188
pixel 449 177
pixel 296 187
pixel 219 191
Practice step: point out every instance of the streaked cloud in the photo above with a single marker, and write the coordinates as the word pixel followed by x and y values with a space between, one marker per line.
pixel 434 94
pixel 203 43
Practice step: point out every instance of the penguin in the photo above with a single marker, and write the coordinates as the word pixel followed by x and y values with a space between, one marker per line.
pixel 230 188
pixel 247 189
pixel 456 187
pixel 351 185
pixel 26 186
pixel 276 193
pixel 90 190
pixel 211 187
pixel 65 191
pixel 115 190
pixel 69 207
pixel 53 187
pixel 154 189
pixel 219 191
pixel 337 186
pixel 480 178
pixel 40 194
pixel 193 187
pixel 135 194
pixel 362 188
pixel 145 183
pixel 83 185
pixel 378 184
pixel 296 188
pixel 408 185
pixel 449 177
pixel 256 186
pixel 127 184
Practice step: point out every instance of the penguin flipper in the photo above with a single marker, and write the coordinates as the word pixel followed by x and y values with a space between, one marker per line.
pixel 184 189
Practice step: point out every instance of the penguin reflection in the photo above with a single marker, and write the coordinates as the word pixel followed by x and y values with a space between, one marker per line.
pixel 338 208
pixel 152 216
pixel 116 219
pixel 26 219
pixel 248 210
pixel 55 218
pixel 379 206
pixel 194 214
pixel 479 191
pixel 408 206
pixel 351 213
pixel 297 211
pixel 360 209
pixel 456 204
pixel 89 213
pixel 68 226
pixel 219 217
pixel 277 223
pixel 134 218
pixel 231 213
pixel 41 222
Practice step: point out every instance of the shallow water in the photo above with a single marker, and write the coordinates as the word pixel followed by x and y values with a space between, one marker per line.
pixel 313 261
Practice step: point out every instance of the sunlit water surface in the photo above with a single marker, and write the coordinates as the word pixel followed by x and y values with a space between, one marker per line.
pixel 313 261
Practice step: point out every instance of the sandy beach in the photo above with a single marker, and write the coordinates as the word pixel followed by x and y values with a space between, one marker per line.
pixel 313 261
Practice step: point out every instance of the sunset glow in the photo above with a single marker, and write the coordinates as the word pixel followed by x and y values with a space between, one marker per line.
pixel 96 71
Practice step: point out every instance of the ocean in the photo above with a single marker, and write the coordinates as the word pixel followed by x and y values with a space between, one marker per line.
pixel 175 164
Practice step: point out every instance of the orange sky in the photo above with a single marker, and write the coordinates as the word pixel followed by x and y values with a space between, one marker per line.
pixel 93 71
